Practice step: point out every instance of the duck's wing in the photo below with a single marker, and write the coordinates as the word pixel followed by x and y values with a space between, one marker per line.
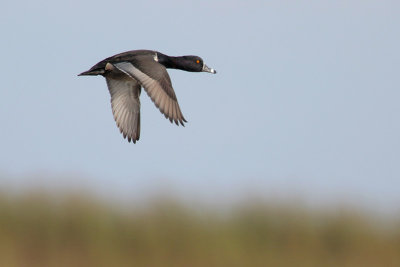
pixel 125 103
pixel 155 80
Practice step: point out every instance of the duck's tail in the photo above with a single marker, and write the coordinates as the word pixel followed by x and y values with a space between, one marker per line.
pixel 92 72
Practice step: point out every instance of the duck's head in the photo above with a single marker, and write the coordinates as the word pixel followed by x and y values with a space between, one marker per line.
pixel 196 64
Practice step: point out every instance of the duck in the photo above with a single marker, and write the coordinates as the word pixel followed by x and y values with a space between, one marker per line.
pixel 126 73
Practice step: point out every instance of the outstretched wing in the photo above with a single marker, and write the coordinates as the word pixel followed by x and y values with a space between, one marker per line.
pixel 125 103
pixel 155 80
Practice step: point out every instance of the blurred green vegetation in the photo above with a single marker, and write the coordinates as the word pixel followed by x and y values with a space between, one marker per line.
pixel 73 230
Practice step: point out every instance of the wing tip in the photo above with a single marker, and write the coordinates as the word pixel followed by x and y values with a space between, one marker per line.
pixel 132 139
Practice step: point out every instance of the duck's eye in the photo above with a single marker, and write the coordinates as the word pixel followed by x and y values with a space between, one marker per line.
pixel 197 61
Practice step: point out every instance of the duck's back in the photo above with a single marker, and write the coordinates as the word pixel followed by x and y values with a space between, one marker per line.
pixel 128 56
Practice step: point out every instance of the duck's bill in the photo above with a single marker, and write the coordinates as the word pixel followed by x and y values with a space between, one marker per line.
pixel 207 69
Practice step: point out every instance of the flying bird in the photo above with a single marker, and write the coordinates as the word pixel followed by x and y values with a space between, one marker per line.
pixel 126 73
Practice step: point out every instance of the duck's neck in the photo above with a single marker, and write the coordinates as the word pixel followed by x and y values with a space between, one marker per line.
pixel 171 62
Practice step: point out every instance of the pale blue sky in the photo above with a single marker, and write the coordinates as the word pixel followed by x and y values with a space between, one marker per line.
pixel 305 101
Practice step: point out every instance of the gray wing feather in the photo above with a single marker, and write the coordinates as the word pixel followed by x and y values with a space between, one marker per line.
pixel 159 89
pixel 125 103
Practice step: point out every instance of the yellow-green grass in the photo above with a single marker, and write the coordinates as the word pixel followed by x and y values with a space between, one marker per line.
pixel 39 230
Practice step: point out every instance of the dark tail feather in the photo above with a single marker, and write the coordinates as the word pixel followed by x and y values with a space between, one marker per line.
pixel 92 72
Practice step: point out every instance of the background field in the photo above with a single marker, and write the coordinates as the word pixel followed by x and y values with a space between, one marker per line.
pixel 39 229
